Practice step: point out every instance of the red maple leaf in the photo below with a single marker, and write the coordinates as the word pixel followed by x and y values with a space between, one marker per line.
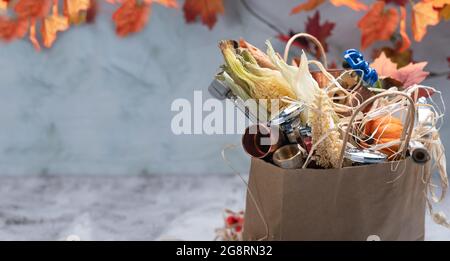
pixel 131 17
pixel 448 60
pixel 11 29
pixel 397 2
pixel 32 8
pixel 313 27
pixel 299 42
pixel 320 31
pixel 207 10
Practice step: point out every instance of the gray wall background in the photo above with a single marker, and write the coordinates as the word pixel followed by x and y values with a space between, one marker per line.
pixel 97 104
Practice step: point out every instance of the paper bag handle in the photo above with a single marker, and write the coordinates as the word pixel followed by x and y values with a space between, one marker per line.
pixel 406 133
pixel 313 39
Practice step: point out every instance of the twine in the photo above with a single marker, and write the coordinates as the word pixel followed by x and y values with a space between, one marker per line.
pixel 250 193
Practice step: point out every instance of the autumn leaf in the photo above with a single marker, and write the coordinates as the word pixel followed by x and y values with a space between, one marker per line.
pixel 73 8
pixel 423 15
pixel 353 4
pixel 11 29
pixel 131 17
pixel 313 27
pixel 32 8
pixel 299 42
pixel 207 10
pixel 313 4
pixel 411 74
pixel 405 42
pixel 378 24
pixel 320 31
pixel 438 3
pixel 51 26
pixel 400 58
pixel 91 13
pixel 448 60
pixel 3 4
pixel 397 2
pixel 307 6
pixel 408 75
pixel 444 13
pixel 384 66
pixel 167 3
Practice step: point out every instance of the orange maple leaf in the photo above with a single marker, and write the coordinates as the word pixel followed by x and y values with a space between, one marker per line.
pixel 131 17
pixel 32 8
pixel 411 74
pixel 307 6
pixel 378 24
pixel 408 75
pixel 72 9
pixel 444 13
pixel 406 43
pixel 11 29
pixel 384 66
pixel 51 26
pixel 353 4
pixel 206 9
pixel 438 3
pixel 313 4
pixel 167 3
pixel 423 15
pixel 3 4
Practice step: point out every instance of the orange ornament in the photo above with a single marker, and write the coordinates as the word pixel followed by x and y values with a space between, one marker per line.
pixel 383 130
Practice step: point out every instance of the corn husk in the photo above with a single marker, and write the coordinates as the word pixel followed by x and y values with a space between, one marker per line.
pixel 260 57
pixel 299 78
pixel 262 83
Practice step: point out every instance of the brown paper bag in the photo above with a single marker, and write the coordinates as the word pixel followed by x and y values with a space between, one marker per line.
pixel 356 203
pixel 370 202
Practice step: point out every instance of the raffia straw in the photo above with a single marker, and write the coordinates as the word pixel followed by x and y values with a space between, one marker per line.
pixel 310 37
pixel 250 193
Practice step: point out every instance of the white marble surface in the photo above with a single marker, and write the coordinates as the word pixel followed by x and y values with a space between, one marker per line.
pixel 139 207
pixel 97 104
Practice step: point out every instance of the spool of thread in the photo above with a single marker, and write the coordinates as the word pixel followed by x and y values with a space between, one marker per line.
pixel 260 141
pixel 418 152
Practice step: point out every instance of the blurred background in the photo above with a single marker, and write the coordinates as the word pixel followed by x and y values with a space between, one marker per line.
pixel 95 103
pixel 98 104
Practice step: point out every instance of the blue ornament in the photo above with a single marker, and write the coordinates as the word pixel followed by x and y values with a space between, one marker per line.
pixel 356 61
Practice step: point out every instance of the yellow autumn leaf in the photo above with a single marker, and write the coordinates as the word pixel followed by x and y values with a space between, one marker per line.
pixel 74 7
pixel 51 26
pixel 353 4
pixel 423 15
pixel 445 12
pixel 3 5
pixel 438 3
pixel 307 6
pixel 406 43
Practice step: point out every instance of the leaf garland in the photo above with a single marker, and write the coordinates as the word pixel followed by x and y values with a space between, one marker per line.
pixel 383 20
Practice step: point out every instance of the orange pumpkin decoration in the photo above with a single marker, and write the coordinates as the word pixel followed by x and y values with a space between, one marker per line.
pixel 383 130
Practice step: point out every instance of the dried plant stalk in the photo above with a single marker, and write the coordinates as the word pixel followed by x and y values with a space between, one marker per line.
pixel 321 119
